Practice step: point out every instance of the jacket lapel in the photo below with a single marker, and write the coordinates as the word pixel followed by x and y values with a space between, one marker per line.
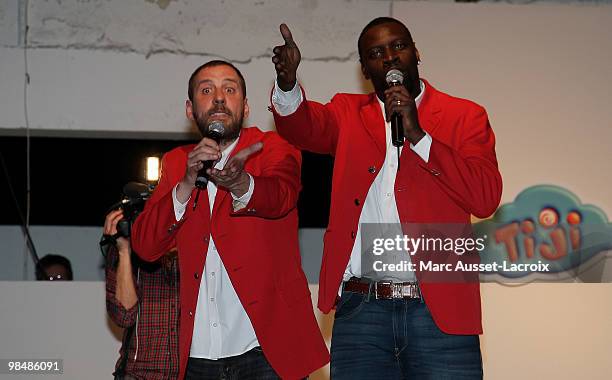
pixel 429 110
pixel 372 119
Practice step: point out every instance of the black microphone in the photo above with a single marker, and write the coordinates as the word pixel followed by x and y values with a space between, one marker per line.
pixel 395 78
pixel 215 131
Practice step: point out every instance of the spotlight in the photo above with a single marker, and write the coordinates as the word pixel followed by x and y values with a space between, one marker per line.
pixel 152 170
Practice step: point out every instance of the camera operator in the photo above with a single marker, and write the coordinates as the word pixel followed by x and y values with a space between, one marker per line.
pixel 142 298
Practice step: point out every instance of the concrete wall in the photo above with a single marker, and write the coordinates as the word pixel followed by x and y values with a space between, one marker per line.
pixel 123 66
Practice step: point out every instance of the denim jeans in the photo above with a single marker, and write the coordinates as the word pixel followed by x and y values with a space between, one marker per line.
pixel 397 339
pixel 250 365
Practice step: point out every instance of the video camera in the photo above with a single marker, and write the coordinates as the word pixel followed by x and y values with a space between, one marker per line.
pixel 132 202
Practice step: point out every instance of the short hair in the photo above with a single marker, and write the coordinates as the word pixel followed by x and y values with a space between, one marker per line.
pixel 213 63
pixel 49 260
pixel 379 21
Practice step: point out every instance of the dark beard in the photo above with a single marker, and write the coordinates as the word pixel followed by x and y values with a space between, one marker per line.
pixel 232 131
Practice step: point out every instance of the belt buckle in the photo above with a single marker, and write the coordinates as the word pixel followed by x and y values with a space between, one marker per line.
pixel 390 283
pixel 410 290
pixel 397 290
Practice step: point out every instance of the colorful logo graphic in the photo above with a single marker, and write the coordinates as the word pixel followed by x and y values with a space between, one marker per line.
pixel 546 226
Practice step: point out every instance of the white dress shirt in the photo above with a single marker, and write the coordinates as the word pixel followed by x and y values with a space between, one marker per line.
pixel 379 205
pixel 221 327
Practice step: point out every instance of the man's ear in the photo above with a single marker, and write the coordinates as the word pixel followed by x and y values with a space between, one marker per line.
pixel 417 53
pixel 246 108
pixel 189 110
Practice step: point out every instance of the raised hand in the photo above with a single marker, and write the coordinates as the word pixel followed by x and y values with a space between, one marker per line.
pixel 286 60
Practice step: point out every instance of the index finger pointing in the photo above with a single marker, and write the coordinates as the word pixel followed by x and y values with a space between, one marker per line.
pixel 286 33
pixel 246 152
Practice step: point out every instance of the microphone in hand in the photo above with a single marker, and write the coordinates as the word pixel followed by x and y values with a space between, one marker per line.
pixel 395 77
pixel 215 131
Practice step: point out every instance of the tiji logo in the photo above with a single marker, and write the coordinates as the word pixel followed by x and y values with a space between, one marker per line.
pixel 562 240
pixel 549 225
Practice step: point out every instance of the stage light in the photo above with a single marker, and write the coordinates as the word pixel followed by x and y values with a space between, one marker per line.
pixel 152 170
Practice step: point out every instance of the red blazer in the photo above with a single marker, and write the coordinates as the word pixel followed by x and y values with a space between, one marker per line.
pixel 461 178
pixel 258 246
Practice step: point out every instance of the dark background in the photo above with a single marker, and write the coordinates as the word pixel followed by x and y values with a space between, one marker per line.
pixel 74 181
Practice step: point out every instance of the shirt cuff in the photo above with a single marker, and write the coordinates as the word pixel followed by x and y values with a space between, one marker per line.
pixel 179 208
pixel 241 202
pixel 286 103
pixel 422 147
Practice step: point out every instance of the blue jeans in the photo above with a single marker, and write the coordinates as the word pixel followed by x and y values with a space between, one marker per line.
pixel 397 339
pixel 250 365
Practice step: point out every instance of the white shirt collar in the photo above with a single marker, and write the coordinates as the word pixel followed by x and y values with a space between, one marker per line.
pixel 226 153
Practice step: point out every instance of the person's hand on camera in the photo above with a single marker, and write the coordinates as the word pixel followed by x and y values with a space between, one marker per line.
pixel 110 228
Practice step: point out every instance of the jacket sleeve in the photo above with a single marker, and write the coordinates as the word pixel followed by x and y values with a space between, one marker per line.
pixel 118 313
pixel 277 187
pixel 154 230
pixel 468 172
pixel 313 126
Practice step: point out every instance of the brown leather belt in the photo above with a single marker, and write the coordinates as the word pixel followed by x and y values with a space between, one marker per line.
pixel 383 289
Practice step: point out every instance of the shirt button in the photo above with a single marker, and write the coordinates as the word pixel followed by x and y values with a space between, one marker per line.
pixel 212 299
pixel 213 274
pixel 372 169
pixel 206 239
pixel 215 324
pixel 196 275
pixel 356 202
pixel 353 234
pixel 191 313
pixel 388 194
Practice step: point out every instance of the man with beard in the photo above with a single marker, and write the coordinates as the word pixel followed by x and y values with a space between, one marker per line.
pixel 245 305
pixel 401 325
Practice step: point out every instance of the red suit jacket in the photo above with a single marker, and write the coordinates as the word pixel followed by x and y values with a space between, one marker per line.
pixel 461 178
pixel 258 246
